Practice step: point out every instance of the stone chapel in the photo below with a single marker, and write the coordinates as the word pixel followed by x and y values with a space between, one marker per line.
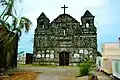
pixel 65 41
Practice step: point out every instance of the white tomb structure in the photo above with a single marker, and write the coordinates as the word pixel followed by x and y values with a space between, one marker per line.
pixel 21 58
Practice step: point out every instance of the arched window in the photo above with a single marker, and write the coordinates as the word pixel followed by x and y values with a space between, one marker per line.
pixel 42 25
pixel 87 24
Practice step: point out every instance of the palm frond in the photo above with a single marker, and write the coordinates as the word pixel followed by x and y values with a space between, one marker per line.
pixel 3 2
pixel 5 24
pixel 9 9
pixel 27 20
pixel 14 22
pixel 11 31
pixel 8 25
pixel 21 25
pixel 27 23
pixel 27 27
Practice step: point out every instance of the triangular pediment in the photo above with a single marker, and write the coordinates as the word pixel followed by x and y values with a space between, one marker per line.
pixel 87 13
pixel 66 18
pixel 42 16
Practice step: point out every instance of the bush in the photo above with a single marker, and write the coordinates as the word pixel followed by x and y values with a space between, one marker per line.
pixel 85 68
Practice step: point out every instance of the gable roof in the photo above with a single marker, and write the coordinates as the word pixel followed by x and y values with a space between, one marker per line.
pixel 87 13
pixel 67 16
pixel 42 16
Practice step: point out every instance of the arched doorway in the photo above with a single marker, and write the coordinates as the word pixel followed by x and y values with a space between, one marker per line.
pixel 64 58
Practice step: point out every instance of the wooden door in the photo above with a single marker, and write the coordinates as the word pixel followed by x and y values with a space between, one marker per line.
pixel 63 59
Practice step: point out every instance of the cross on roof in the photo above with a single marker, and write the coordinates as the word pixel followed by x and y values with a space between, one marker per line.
pixel 64 8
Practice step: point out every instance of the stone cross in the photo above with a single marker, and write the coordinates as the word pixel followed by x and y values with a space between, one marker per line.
pixel 64 8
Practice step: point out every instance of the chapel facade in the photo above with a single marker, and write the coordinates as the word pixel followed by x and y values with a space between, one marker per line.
pixel 65 41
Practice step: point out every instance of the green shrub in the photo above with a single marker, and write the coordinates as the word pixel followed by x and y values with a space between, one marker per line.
pixel 85 68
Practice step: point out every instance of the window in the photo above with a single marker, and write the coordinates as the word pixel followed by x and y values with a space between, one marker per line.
pixel 117 66
pixel 42 25
pixel 87 25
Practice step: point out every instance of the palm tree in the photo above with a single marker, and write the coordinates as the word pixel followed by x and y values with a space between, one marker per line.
pixel 11 30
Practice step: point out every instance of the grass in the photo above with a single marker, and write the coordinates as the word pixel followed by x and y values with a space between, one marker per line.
pixel 24 65
pixel 37 65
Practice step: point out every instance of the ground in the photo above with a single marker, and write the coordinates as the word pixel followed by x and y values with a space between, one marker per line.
pixel 59 73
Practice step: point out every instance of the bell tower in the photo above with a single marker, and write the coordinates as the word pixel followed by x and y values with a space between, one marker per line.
pixel 89 31
pixel 88 23
pixel 40 31
pixel 43 21
pixel 87 19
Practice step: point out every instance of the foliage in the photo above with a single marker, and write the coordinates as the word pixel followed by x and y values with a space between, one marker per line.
pixel 85 68
pixel 17 24
pixel 12 25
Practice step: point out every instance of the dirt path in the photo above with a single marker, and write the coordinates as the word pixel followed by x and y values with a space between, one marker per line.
pixel 60 73
pixel 53 73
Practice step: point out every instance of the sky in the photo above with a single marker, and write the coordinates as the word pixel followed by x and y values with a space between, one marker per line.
pixel 106 12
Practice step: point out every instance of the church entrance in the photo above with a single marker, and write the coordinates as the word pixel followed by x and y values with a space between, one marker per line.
pixel 63 58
